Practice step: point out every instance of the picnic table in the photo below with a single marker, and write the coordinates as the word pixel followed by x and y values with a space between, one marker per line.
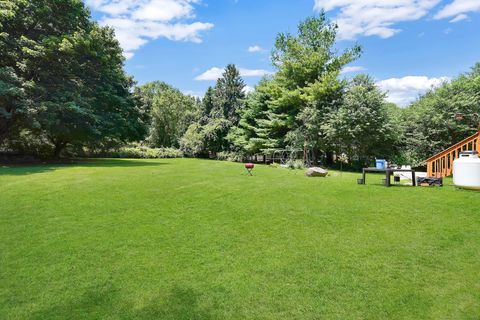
pixel 388 173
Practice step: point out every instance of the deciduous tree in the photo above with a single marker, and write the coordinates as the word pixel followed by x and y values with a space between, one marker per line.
pixel 171 112
pixel 361 127
pixel 70 73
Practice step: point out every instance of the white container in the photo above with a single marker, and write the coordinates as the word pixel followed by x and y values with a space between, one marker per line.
pixel 466 170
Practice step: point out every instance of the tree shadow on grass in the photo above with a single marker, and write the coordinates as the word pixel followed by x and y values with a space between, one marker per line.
pixel 381 185
pixel 20 170
pixel 180 303
pixel 105 163
pixel 104 301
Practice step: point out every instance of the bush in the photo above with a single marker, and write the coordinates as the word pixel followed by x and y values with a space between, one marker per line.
pixel 230 156
pixel 295 164
pixel 192 143
pixel 223 156
pixel 25 142
pixel 143 152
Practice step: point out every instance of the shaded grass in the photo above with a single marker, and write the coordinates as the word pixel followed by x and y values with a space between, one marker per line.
pixel 196 239
pixel 8 169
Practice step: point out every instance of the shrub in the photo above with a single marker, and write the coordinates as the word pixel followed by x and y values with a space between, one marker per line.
pixel 298 164
pixel 231 156
pixel 143 152
pixel 25 142
pixel 222 156
pixel 192 143
pixel 295 164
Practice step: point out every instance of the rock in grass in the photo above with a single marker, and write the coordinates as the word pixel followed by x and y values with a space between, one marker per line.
pixel 316 172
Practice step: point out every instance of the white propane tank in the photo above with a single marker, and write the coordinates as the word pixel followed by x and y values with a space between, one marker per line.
pixel 466 170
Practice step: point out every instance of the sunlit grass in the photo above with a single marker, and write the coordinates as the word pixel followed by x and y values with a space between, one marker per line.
pixel 197 239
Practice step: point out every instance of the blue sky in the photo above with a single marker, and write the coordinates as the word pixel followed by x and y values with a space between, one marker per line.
pixel 409 45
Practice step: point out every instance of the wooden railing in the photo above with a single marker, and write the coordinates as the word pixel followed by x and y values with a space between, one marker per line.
pixel 441 164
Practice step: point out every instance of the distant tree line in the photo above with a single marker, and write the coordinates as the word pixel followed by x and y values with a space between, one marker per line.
pixel 63 90
pixel 306 105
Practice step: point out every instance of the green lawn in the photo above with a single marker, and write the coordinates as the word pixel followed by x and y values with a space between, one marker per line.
pixel 198 239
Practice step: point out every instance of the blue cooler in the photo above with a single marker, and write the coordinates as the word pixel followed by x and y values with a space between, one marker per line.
pixel 381 164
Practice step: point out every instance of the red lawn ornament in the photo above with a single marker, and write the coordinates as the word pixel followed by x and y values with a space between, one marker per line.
pixel 249 167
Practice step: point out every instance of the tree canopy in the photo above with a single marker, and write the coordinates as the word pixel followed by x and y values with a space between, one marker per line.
pixel 361 127
pixel 430 125
pixel 221 109
pixel 63 86
pixel 63 76
pixel 170 112
pixel 287 110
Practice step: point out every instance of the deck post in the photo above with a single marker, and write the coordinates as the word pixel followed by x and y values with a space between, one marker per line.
pixel 478 141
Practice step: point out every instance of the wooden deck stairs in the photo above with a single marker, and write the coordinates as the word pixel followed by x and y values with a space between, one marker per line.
pixel 441 164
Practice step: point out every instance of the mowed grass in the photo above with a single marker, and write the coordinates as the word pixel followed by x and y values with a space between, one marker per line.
pixel 199 239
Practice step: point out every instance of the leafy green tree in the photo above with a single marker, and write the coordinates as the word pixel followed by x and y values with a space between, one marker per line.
pixel 171 112
pixel 430 122
pixel 229 95
pixel 207 104
pixel 361 127
pixel 221 109
pixel 26 28
pixel 303 58
pixel 263 125
pixel 71 73
pixel 247 136
pixel 291 106
pixel 145 95
pixel 322 99
pixel 192 142
pixel 12 100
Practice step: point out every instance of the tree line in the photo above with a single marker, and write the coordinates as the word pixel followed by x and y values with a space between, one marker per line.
pixel 306 105
pixel 63 90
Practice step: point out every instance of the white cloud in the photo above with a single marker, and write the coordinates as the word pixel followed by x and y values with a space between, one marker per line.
pixel 253 72
pixel 195 94
pixel 459 18
pixel 211 74
pixel 136 22
pixel 255 48
pixel 128 55
pixel 404 90
pixel 200 94
pixel 248 89
pixel 458 10
pixel 374 17
pixel 164 10
pixel 352 69
pixel 214 73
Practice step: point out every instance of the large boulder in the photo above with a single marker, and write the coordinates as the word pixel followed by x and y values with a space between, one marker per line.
pixel 316 172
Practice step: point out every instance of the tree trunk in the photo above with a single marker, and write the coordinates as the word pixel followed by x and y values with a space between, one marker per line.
pixel 59 146
pixel 4 128
pixel 329 158
pixel 315 157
